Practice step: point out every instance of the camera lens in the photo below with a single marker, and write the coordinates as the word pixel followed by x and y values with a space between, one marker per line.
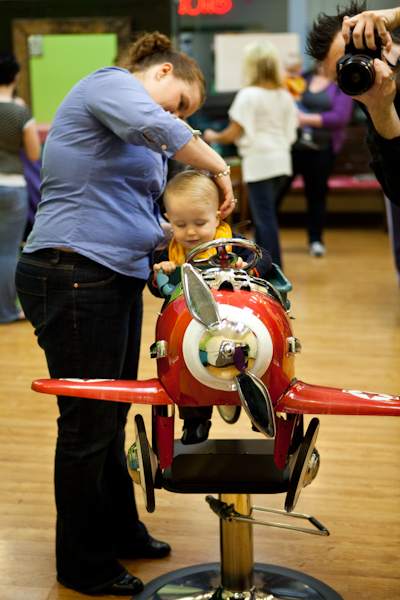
pixel 356 75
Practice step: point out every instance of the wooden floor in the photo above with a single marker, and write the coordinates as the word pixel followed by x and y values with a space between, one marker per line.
pixel 347 316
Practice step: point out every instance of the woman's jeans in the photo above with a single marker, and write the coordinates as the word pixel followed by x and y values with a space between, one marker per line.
pixel 13 220
pixel 88 321
pixel 262 200
pixel 315 166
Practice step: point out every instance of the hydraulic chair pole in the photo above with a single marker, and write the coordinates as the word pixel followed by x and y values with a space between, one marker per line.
pixel 237 556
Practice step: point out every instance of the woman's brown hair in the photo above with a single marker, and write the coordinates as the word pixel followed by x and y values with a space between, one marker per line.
pixel 155 48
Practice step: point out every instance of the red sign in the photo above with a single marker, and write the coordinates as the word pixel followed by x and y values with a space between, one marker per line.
pixel 205 7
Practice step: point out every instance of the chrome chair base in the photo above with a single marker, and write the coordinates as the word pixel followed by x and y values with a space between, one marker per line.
pixel 203 582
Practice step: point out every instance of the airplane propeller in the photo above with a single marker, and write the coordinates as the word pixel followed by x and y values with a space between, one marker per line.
pixel 199 299
pixel 227 342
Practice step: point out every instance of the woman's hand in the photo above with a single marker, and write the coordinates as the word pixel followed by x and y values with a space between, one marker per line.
pixel 200 155
pixel 226 199
pixel 226 136
pixel 310 120
pixel 209 135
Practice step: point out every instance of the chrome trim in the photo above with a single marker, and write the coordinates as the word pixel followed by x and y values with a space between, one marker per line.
pixel 312 468
pixel 293 345
pixel 319 529
pixel 159 349
pixel 133 463
pixel 238 279
pixel 227 512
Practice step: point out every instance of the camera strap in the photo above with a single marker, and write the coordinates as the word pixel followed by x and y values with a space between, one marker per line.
pixel 397 63
pixel 394 66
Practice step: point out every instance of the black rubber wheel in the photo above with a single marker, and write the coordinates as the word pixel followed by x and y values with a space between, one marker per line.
pixel 145 470
pixel 300 467
pixel 230 414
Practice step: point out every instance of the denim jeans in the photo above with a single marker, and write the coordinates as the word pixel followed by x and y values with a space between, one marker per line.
pixel 13 220
pixel 88 321
pixel 262 199
pixel 315 167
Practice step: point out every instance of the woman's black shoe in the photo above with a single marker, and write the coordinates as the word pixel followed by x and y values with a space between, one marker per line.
pixel 126 586
pixel 152 549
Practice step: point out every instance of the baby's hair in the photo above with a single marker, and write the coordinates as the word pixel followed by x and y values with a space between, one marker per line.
pixel 293 60
pixel 155 49
pixel 193 186
pixel 261 63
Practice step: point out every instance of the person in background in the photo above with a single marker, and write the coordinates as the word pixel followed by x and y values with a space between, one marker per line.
pixel 80 280
pixel 263 125
pixel 329 111
pixel 293 78
pixel 380 103
pixel 191 202
pixel 32 170
pixel 17 131
pixel 296 85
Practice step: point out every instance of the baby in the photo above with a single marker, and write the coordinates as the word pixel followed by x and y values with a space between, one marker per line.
pixel 191 200
pixel 293 79
pixel 296 84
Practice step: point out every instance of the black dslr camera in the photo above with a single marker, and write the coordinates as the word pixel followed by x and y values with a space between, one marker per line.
pixel 355 70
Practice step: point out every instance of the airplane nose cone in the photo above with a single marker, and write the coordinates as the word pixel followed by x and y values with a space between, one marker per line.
pixel 228 349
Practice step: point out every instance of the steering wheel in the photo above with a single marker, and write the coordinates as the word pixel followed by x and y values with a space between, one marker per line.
pixel 223 258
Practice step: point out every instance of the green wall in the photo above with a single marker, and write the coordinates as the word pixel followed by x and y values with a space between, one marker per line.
pixel 65 60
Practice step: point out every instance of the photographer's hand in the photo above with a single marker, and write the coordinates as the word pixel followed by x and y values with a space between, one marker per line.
pixel 379 99
pixel 366 23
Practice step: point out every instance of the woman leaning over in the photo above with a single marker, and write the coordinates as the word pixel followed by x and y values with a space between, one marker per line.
pixel 80 281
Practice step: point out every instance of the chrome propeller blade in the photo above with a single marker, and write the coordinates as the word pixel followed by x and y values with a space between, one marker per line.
pixel 199 298
pixel 257 403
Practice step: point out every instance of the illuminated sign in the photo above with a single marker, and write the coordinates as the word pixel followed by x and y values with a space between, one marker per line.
pixel 205 7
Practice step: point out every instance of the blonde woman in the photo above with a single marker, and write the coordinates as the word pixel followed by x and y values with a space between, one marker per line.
pixel 263 124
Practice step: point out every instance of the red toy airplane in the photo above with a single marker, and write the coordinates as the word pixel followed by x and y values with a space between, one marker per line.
pixel 224 338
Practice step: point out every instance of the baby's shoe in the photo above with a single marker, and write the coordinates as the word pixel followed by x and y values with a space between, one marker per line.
pixel 195 430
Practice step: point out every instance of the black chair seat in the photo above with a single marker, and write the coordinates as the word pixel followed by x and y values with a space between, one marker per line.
pixel 224 467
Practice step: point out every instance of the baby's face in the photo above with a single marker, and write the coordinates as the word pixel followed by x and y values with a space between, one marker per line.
pixel 293 71
pixel 193 224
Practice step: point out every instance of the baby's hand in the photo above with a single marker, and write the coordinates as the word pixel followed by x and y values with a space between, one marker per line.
pixel 166 265
pixel 240 264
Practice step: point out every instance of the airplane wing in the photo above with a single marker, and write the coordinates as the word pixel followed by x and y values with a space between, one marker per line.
pixel 119 390
pixel 318 400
